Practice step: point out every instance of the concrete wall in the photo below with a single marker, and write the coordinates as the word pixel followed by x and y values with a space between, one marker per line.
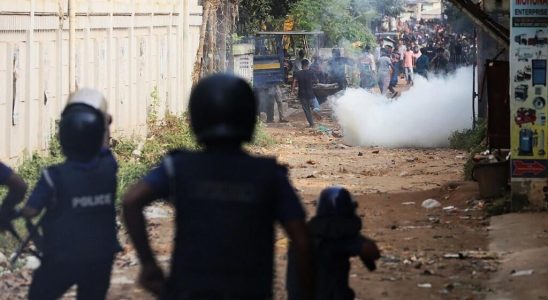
pixel 125 48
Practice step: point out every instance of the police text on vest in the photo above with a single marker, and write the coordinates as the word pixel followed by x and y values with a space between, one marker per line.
pixel 92 201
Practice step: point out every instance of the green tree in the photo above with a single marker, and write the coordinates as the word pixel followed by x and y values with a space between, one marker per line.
pixel 254 13
pixel 339 19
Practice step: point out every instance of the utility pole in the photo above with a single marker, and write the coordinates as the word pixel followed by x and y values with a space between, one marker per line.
pixel 72 45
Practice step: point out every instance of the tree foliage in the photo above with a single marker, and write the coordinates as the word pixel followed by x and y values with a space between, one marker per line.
pixel 253 14
pixel 390 8
pixel 340 20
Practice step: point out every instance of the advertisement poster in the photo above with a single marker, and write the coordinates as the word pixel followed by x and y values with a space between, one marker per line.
pixel 529 93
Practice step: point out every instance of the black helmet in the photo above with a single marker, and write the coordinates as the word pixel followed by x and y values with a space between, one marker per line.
pixel 81 131
pixel 336 201
pixel 223 107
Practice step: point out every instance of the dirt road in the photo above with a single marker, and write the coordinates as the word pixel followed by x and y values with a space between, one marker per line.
pixel 390 185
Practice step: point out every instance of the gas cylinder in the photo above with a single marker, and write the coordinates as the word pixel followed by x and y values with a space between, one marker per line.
pixel 525 141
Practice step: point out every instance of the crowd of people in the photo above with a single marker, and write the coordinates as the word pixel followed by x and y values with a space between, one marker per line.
pixel 422 48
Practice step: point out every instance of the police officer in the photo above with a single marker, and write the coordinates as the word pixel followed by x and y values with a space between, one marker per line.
pixel 226 203
pixel 79 226
pixel 17 189
pixel 336 237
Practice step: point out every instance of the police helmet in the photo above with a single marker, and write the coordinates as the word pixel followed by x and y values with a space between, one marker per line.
pixel 223 108
pixel 82 127
pixel 336 201
pixel 90 97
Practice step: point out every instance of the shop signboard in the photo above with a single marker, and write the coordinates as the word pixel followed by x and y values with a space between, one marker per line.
pixel 528 89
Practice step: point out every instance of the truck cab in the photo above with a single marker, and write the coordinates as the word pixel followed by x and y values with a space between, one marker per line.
pixel 268 61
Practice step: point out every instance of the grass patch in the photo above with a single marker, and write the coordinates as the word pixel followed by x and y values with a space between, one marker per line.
pixel 262 138
pixel 472 141
pixel 135 158
pixel 499 206
pixel 171 133
pixel 469 139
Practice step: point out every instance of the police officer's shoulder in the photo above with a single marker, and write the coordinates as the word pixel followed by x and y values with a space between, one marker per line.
pixel 264 158
pixel 283 168
pixel 55 167
pixel 267 160
pixel 179 154
pixel 51 173
pixel 272 161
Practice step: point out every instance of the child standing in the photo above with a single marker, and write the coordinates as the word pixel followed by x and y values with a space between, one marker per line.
pixel 336 237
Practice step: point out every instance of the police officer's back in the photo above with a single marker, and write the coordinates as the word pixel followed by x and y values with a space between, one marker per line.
pixel 79 226
pixel 226 204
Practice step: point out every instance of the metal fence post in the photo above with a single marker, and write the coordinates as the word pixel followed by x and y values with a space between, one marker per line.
pixel 72 46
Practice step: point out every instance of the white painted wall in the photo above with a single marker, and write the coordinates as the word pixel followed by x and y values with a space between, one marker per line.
pixel 124 48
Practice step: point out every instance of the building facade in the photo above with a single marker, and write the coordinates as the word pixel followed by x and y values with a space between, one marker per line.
pixel 423 9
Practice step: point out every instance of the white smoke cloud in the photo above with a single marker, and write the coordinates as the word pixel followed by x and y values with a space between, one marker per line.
pixel 424 116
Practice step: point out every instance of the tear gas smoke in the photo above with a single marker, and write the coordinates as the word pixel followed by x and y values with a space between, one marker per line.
pixel 424 116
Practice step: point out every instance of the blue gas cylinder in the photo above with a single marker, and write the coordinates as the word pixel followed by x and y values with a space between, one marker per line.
pixel 525 141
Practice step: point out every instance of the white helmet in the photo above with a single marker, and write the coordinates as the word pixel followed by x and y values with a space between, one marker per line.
pixel 91 97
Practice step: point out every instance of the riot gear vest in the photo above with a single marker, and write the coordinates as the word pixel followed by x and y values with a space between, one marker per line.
pixel 80 222
pixel 225 204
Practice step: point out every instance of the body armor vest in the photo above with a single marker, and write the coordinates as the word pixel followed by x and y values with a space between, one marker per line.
pixel 225 217
pixel 80 223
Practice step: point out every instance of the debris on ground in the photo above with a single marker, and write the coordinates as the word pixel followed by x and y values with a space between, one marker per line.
pixel 157 212
pixel 121 280
pixel 3 260
pixel 32 263
pixel 424 285
pixel 453 255
pixel 485 255
pixel 389 191
pixel 522 273
pixel 431 203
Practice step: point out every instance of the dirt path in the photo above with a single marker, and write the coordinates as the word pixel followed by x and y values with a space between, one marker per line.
pixel 390 185
pixel 522 242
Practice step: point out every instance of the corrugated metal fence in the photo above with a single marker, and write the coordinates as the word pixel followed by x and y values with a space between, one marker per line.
pixel 125 48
